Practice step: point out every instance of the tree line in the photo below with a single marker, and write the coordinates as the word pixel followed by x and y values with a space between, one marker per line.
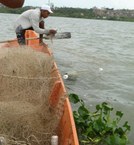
pixel 61 12
pixel 67 12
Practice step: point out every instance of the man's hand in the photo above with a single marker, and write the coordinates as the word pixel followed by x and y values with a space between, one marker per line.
pixel 52 32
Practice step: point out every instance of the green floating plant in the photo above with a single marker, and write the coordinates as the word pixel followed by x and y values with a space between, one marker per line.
pixel 99 128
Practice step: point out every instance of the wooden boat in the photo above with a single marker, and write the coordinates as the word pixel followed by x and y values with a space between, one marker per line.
pixel 66 130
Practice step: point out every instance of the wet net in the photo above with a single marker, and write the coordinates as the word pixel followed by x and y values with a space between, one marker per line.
pixel 25 86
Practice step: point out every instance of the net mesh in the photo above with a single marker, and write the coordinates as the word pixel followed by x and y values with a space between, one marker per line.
pixel 25 86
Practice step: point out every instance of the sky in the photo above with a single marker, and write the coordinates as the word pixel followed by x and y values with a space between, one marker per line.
pixel 116 4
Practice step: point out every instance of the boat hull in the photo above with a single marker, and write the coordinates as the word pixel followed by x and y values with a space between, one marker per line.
pixel 66 129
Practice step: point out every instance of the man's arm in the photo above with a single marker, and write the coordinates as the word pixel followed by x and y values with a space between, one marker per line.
pixel 12 3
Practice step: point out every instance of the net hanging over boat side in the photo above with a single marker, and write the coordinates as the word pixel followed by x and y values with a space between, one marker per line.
pixel 25 87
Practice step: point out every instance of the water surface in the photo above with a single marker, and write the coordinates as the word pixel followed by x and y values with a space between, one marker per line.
pixel 102 55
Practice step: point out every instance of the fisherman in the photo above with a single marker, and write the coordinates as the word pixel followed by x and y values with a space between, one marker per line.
pixel 33 19
pixel 12 3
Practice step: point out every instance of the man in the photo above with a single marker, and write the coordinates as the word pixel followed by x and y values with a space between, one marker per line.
pixel 12 3
pixel 33 19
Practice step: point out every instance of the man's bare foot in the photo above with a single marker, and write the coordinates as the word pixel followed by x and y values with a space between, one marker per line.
pixel 44 44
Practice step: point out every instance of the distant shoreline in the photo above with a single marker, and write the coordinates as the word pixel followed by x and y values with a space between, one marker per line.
pixel 93 13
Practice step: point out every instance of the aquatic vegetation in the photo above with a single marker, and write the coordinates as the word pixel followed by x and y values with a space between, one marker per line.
pixel 99 127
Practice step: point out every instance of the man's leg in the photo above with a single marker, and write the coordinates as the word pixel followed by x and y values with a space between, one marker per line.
pixel 20 33
pixel 21 38
pixel 41 25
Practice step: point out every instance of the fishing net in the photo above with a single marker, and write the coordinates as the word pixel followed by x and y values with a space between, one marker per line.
pixel 25 86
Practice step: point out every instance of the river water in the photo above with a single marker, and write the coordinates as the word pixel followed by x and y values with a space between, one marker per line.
pixel 101 55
